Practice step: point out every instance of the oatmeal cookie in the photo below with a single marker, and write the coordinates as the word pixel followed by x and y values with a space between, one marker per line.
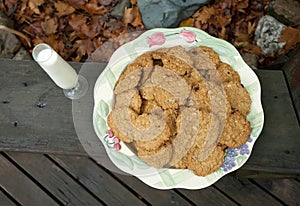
pixel 223 73
pixel 236 131
pixel 205 167
pixel 238 97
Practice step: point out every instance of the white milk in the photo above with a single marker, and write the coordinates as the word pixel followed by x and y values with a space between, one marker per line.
pixel 58 69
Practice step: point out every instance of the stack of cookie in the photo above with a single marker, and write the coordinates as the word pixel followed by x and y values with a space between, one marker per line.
pixel 181 108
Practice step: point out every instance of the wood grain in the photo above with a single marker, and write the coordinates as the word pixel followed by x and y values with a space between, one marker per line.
pixel 97 180
pixel 287 190
pixel 152 195
pixel 244 192
pixel 52 178
pixel 207 196
pixel 24 191
pixel 5 200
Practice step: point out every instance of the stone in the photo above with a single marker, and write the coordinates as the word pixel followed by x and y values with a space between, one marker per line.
pixel 118 10
pixel 167 13
pixel 250 59
pixel 22 54
pixel 267 34
pixel 9 43
pixel 290 9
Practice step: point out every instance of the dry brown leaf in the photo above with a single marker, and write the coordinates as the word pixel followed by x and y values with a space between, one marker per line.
pixel 252 48
pixel 76 3
pixel 10 3
pixel 63 8
pixel 133 2
pixel 291 36
pixel 34 5
pixel 137 21
pixel 187 22
pixel 128 15
pixel 204 14
pixel 49 26
pixel 76 21
pixel 83 47
pixel 93 8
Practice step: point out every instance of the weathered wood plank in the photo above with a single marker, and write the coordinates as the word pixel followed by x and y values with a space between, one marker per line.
pixel 207 196
pixel 244 192
pixel 35 115
pixel 4 200
pixel 277 150
pixel 292 72
pixel 152 195
pixel 56 181
pixel 97 180
pixel 25 126
pixel 21 188
pixel 287 190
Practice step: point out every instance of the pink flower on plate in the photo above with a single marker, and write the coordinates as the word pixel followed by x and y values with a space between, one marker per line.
pixel 188 36
pixel 156 39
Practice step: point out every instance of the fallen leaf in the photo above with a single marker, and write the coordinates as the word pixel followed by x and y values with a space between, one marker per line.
pixel 83 48
pixel 10 3
pixel 76 21
pixel 49 26
pixel 76 3
pixel 204 14
pixel 189 22
pixel 93 8
pixel 63 8
pixel 128 15
pixel 291 36
pixel 137 21
pixel 132 16
pixel 34 5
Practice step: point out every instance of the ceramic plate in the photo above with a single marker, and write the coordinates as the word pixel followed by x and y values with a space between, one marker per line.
pixel 126 160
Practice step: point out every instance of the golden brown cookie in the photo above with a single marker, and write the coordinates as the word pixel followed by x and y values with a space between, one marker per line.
pixel 160 97
pixel 157 158
pixel 123 136
pixel 204 58
pixel 211 164
pixel 142 122
pixel 238 97
pixel 223 73
pixel 236 131
pixel 227 73
pixel 191 95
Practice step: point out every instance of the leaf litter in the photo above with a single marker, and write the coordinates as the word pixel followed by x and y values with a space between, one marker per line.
pixel 81 29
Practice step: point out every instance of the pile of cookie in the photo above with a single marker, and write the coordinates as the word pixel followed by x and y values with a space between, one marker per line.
pixel 181 108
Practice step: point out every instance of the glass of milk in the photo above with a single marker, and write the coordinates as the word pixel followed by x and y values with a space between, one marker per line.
pixel 74 86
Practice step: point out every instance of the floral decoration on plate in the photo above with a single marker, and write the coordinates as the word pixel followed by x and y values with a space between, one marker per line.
pixel 123 157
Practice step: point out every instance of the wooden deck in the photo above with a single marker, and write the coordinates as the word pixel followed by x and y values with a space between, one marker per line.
pixel 43 163
pixel 41 179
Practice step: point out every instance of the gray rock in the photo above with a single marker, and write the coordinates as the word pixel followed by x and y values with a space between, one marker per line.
pixel 22 54
pixel 118 10
pixel 267 34
pixel 290 9
pixel 250 59
pixel 167 13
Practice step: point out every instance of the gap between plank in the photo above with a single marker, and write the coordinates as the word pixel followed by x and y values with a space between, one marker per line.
pixel 9 196
pixel 230 198
pixel 122 183
pixel 266 191
pixel 291 96
pixel 31 178
pixel 184 197
pixel 74 179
